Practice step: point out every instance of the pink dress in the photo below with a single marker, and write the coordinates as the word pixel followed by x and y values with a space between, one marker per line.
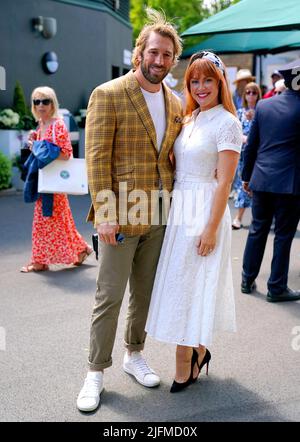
pixel 55 239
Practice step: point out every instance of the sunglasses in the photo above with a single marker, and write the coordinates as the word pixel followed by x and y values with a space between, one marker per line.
pixel 251 93
pixel 45 102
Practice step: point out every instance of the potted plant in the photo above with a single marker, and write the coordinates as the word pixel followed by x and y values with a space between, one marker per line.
pixel 14 124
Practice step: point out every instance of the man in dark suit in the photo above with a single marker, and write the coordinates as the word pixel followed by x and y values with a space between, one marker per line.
pixel 272 172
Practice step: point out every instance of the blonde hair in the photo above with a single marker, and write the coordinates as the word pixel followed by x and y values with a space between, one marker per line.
pixel 252 86
pixel 46 92
pixel 198 66
pixel 157 23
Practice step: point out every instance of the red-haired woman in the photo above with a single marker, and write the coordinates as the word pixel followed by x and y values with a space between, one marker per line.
pixel 193 290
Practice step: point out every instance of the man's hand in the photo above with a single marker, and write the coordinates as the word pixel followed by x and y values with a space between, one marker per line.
pixel 246 187
pixel 107 233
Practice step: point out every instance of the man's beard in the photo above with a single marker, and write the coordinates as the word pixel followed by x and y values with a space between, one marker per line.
pixel 154 79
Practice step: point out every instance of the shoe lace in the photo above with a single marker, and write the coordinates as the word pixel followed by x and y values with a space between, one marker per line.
pixel 142 367
pixel 91 387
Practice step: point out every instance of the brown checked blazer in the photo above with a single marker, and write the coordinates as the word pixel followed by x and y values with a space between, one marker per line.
pixel 120 147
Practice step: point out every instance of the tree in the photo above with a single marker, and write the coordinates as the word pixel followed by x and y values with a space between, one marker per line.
pixel 218 5
pixel 27 121
pixel 183 13
pixel 19 105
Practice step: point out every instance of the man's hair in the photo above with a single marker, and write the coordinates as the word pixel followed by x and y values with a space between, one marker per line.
pixel 157 22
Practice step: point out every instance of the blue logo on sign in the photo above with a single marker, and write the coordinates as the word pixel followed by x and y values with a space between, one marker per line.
pixel 65 174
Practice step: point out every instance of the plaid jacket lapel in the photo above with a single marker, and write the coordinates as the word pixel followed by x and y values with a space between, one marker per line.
pixel 171 117
pixel 168 117
pixel 137 98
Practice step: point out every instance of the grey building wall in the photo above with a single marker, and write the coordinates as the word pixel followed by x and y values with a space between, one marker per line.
pixel 88 42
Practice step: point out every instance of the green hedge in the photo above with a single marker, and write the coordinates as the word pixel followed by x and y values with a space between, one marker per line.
pixel 5 172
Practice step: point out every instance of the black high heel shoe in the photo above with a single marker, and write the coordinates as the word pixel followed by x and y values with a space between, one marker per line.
pixel 205 360
pixel 178 386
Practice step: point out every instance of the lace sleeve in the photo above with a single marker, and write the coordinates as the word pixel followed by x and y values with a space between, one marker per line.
pixel 230 135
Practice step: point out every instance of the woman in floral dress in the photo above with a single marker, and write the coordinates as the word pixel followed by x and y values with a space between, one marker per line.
pixel 55 239
pixel 251 96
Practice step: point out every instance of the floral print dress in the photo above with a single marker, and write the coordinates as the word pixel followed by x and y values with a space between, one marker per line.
pixel 242 199
pixel 55 239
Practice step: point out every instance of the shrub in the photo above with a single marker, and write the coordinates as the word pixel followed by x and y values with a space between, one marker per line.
pixel 19 105
pixel 20 116
pixel 16 162
pixel 5 172
pixel 9 119
pixel 28 122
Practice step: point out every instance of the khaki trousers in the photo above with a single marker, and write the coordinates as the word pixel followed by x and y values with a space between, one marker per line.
pixel 136 259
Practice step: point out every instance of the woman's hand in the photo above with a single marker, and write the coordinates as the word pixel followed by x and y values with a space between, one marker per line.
pixel 63 156
pixel 32 136
pixel 250 114
pixel 207 241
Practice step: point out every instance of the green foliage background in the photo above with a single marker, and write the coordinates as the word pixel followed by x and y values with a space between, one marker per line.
pixel 5 172
pixel 182 13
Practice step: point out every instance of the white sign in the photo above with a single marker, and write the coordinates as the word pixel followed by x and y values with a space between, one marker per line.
pixel 2 79
pixel 127 57
pixel 2 339
pixel 231 73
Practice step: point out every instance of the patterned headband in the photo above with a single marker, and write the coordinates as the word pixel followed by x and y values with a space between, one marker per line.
pixel 211 57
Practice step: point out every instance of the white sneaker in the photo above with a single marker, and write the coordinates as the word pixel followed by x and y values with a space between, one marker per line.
pixel 137 366
pixel 89 396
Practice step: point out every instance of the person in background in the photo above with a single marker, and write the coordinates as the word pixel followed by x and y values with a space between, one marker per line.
pixel 55 239
pixel 243 77
pixel 271 172
pixel 275 76
pixel 280 86
pixel 251 96
pixel 264 89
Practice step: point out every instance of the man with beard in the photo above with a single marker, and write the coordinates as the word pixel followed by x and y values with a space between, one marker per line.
pixel 131 125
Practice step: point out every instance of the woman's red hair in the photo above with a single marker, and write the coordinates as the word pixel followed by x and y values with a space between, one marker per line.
pixel 203 66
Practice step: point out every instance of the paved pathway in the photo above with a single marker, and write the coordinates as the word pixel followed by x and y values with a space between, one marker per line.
pixel 45 318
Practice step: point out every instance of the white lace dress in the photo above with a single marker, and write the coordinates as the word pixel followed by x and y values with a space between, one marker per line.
pixel 193 295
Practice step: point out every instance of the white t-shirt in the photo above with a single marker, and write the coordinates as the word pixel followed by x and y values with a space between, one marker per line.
pixel 156 105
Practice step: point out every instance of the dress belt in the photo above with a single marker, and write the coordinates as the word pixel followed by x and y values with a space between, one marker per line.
pixel 187 177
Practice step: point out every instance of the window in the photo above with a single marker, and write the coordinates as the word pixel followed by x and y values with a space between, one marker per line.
pixel 115 72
